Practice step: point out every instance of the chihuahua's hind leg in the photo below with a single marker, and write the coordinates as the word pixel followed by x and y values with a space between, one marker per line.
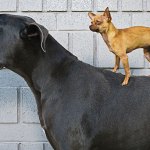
pixel 147 53
pixel 117 63
pixel 125 62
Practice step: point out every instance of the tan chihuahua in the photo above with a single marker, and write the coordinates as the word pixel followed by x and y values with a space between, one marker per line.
pixel 121 41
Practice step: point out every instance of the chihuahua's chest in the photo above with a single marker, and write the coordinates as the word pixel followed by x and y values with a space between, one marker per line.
pixel 105 38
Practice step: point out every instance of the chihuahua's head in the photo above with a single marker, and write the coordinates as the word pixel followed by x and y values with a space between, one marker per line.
pixel 100 23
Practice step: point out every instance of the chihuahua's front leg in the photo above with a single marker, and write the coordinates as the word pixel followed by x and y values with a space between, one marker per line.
pixel 125 62
pixel 117 63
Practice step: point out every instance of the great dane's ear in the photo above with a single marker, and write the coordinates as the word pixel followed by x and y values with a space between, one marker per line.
pixel 35 30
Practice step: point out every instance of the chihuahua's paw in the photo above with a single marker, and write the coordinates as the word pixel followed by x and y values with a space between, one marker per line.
pixel 114 70
pixel 125 82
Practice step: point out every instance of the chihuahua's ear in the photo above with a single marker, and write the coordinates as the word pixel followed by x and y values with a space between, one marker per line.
pixel 107 14
pixel 91 15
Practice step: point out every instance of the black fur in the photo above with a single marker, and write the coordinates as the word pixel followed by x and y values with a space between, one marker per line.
pixel 80 107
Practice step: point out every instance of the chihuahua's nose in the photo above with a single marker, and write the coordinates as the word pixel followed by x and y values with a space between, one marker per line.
pixel 90 27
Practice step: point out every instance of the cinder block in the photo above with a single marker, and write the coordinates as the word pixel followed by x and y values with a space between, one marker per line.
pixel 81 5
pixel 61 37
pixel 32 146
pixel 47 146
pixel 8 105
pixel 122 71
pixel 148 5
pixel 82 46
pixel 11 79
pixel 8 5
pixel 136 59
pixel 104 58
pixel 103 4
pixel 46 19
pixel 121 20
pixel 141 19
pixel 136 72
pixel 29 107
pixel 56 5
pixel 73 21
pixel 146 63
pixel 30 5
pixel 141 72
pixel 132 5
pixel 22 132
pixel 8 146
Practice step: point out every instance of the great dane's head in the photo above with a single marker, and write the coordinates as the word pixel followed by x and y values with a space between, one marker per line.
pixel 20 37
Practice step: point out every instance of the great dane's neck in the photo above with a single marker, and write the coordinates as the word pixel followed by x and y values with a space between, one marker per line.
pixel 37 68
pixel 34 66
pixel 51 63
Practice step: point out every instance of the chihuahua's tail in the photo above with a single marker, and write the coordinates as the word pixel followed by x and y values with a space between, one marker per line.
pixel 147 53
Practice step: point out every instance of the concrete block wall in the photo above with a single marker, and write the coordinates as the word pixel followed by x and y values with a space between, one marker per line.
pixel 68 22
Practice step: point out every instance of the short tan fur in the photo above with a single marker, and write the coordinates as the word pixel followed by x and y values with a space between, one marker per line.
pixel 121 41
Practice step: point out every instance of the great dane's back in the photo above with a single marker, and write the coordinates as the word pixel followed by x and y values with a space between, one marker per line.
pixel 80 107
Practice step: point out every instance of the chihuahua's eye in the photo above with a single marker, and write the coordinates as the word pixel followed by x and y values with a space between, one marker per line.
pixel 98 22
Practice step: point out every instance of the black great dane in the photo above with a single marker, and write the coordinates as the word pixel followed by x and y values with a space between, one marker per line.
pixel 80 107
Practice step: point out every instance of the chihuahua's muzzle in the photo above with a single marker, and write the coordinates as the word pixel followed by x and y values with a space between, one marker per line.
pixel 93 28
